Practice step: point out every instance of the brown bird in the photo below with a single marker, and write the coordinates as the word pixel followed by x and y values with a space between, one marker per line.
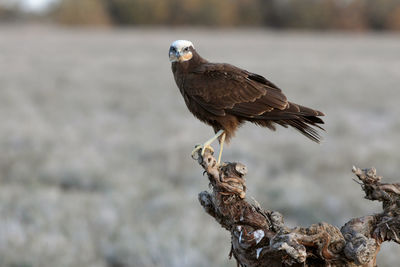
pixel 225 96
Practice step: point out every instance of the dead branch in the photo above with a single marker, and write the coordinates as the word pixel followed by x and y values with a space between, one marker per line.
pixel 260 238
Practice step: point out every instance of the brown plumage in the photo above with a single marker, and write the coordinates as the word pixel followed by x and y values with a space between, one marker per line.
pixel 225 96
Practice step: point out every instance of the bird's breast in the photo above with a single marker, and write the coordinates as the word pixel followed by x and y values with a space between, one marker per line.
pixel 180 73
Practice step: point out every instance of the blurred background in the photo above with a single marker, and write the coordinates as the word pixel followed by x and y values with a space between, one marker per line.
pixel 95 137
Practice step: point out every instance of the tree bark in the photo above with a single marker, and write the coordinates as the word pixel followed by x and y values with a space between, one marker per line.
pixel 259 237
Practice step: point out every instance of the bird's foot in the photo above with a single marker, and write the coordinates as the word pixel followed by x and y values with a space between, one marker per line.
pixel 207 144
pixel 202 148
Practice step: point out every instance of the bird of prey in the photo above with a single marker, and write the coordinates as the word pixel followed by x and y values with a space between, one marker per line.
pixel 224 97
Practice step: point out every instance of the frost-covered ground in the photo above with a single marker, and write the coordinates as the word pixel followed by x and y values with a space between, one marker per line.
pixel 95 141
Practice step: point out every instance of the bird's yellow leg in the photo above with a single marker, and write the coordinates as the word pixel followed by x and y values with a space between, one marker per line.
pixel 207 144
pixel 221 147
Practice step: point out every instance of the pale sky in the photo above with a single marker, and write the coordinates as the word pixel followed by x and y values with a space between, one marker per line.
pixel 36 5
pixel 30 5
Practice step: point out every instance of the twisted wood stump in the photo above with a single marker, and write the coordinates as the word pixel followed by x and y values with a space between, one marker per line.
pixel 260 238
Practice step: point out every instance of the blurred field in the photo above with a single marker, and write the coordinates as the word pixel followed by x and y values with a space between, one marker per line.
pixel 95 141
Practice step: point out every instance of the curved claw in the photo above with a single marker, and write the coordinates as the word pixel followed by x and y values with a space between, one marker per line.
pixel 207 145
pixel 203 150
pixel 196 148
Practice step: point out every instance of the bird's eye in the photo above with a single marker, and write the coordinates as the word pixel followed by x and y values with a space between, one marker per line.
pixel 186 49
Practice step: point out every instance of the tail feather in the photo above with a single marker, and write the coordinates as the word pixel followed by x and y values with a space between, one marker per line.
pixel 303 119
pixel 304 127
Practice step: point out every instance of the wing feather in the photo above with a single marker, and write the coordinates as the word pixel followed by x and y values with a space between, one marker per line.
pixel 221 88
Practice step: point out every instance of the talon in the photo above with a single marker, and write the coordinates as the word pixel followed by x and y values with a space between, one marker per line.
pixel 203 150
pixel 207 147
pixel 196 148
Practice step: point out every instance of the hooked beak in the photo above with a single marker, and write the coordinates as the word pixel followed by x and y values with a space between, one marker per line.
pixel 174 56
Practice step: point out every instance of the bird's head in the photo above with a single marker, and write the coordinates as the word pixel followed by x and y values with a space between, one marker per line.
pixel 181 50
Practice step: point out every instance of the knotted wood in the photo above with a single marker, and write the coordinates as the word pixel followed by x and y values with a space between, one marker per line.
pixel 259 237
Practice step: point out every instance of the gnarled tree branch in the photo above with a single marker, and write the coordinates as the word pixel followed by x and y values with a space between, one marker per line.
pixel 260 238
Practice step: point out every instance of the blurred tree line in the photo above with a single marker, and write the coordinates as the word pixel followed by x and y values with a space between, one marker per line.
pixel 302 14
pixel 9 12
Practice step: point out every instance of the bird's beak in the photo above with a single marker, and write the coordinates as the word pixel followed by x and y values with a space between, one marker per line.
pixel 174 56
pixel 178 55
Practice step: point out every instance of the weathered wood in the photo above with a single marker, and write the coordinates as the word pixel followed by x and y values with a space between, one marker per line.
pixel 260 238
